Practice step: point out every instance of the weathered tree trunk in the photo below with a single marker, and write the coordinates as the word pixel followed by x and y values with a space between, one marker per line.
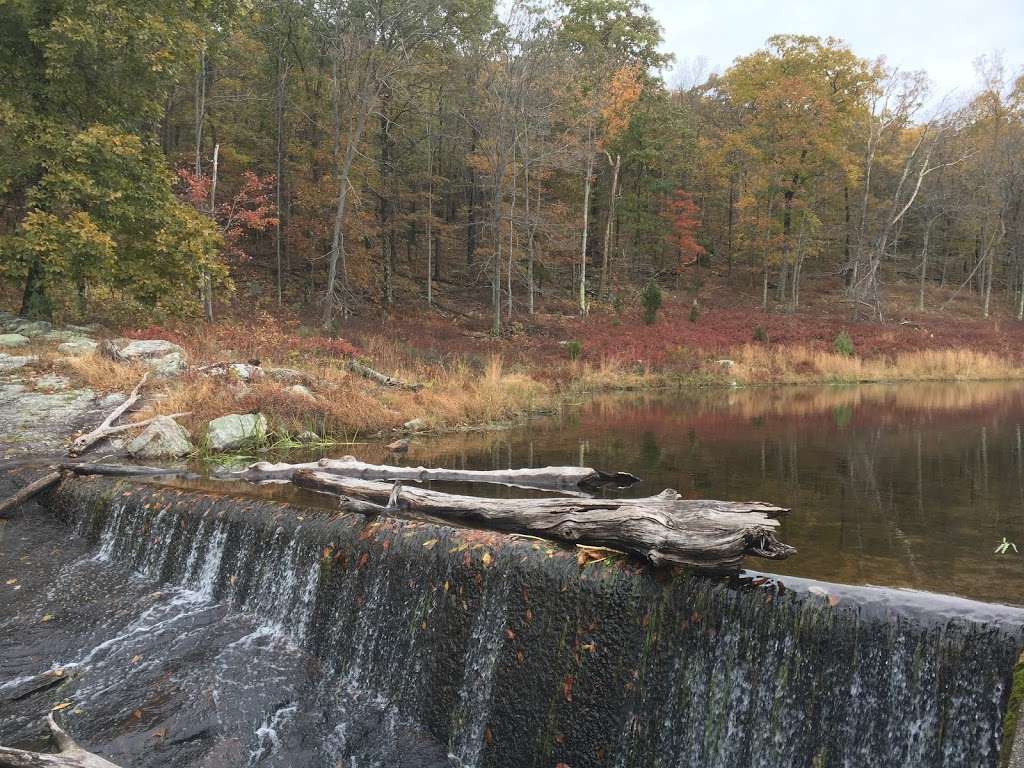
pixel 924 263
pixel 70 756
pixel 551 478
pixel 337 269
pixel 710 536
pixel 385 199
pixel 430 220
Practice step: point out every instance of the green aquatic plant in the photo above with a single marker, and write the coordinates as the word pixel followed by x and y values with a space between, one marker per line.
pixel 1005 546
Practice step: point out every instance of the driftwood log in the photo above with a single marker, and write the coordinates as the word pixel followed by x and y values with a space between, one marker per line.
pixel 70 756
pixel 550 478
pixel 710 536
pixel 82 443
pixel 383 379
pixel 125 470
pixel 108 470
pixel 30 490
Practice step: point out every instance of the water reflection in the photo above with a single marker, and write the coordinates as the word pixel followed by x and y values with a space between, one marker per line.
pixel 900 485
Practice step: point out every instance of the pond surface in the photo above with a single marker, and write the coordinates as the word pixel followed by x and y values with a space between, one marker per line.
pixel 908 485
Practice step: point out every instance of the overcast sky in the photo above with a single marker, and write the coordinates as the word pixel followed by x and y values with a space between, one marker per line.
pixel 940 36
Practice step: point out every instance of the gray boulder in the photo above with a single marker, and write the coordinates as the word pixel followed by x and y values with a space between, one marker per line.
pixel 231 432
pixel 302 392
pixel 164 438
pixel 77 347
pixel 168 366
pixel 62 334
pixel 244 371
pixel 33 327
pixel 13 340
pixel 165 358
pixel 286 375
pixel 11 362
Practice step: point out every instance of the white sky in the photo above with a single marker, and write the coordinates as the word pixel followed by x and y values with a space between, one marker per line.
pixel 942 37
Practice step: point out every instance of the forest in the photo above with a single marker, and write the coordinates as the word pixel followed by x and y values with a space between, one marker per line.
pixel 346 159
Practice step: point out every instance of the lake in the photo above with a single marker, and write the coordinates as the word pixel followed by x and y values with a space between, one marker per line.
pixel 906 485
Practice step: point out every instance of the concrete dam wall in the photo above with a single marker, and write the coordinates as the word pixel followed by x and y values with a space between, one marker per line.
pixel 428 645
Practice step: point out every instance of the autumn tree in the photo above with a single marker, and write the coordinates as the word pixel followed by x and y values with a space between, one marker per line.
pixel 685 218
pixel 798 99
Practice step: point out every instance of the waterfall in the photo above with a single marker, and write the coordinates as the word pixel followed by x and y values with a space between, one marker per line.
pixel 505 652
pixel 485 642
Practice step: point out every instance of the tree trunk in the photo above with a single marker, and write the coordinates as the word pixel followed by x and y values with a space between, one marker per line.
pixel 471 203
pixel 207 280
pixel 924 264
pixel 337 270
pixel 511 240
pixel 278 248
pixel 30 490
pixel 665 530
pixel 586 224
pixel 35 302
pixel 385 201
pixel 549 478
pixel 609 226
pixel 70 756
pixel 530 227
pixel 430 220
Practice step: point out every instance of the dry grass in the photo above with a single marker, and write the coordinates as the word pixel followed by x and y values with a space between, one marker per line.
pixel 461 391
pixel 345 406
pixel 101 373
pixel 609 374
pixel 755 364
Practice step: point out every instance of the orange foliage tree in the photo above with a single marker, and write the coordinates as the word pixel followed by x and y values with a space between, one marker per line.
pixel 684 215
pixel 250 209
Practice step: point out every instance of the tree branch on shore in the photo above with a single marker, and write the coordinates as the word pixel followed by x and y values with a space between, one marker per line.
pixel 384 380
pixel 84 442
pixel 106 429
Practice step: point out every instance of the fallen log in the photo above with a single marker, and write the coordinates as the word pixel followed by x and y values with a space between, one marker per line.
pixel 710 536
pixel 550 478
pixel 30 490
pixel 125 470
pixel 107 470
pixel 384 380
pixel 70 756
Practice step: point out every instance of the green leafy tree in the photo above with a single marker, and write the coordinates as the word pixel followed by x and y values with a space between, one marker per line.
pixel 103 220
pixel 85 193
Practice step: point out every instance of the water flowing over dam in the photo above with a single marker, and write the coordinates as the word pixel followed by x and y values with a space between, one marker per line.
pixel 273 635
